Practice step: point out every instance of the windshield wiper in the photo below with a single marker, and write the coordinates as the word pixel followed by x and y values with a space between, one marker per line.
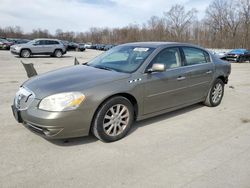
pixel 104 68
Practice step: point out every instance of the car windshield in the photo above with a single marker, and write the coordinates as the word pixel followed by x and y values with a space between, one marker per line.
pixel 125 59
pixel 31 42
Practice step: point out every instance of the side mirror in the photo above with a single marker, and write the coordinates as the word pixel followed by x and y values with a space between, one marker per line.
pixel 157 67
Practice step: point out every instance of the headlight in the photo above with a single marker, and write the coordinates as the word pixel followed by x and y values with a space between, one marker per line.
pixel 62 102
pixel 17 47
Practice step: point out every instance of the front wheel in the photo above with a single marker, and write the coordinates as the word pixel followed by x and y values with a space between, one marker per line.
pixel 215 93
pixel 113 119
pixel 25 53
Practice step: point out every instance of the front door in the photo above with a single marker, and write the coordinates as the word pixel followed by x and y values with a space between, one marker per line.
pixel 165 89
pixel 38 47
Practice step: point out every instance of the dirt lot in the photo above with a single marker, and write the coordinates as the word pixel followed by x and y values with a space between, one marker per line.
pixel 194 147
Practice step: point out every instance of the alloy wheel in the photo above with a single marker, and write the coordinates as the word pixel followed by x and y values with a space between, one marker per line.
pixel 217 93
pixel 116 120
pixel 25 53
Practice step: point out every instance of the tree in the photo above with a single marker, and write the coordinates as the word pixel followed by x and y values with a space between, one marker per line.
pixel 245 15
pixel 178 20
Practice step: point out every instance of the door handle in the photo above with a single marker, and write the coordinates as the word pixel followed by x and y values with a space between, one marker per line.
pixel 209 72
pixel 180 78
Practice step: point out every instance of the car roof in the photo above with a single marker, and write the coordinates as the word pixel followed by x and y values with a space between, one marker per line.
pixel 46 39
pixel 239 49
pixel 160 44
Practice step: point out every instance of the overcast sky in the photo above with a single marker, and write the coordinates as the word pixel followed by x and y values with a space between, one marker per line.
pixel 80 15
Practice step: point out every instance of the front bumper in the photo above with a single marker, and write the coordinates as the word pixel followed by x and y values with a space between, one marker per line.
pixel 54 125
pixel 15 52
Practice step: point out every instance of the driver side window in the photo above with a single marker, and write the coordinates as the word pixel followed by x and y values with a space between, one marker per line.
pixel 170 57
pixel 40 42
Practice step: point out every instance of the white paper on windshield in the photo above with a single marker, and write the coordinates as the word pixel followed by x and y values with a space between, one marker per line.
pixel 137 49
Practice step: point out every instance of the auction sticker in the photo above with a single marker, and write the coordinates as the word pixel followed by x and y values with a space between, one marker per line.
pixel 137 49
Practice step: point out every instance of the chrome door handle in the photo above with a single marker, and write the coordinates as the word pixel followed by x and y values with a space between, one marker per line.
pixel 181 78
pixel 209 72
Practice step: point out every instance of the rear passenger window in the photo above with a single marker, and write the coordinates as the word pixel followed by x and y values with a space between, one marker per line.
pixel 195 56
pixel 170 57
pixel 55 42
pixel 51 42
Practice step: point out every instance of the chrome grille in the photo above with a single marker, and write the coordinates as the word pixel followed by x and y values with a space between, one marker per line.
pixel 24 98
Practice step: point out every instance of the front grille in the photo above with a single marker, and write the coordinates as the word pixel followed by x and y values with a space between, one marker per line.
pixel 23 98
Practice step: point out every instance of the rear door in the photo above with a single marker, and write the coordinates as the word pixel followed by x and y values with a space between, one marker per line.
pixel 199 72
pixel 49 46
pixel 52 45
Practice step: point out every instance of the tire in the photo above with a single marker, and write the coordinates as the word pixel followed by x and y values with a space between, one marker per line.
pixel 240 60
pixel 215 94
pixel 58 53
pixel 25 53
pixel 110 126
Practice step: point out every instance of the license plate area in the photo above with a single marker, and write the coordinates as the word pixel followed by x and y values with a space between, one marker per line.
pixel 16 114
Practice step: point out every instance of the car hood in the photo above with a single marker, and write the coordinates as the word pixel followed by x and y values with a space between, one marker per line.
pixel 73 78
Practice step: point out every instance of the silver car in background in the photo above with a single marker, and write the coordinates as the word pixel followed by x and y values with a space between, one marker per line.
pixel 128 83
pixel 52 47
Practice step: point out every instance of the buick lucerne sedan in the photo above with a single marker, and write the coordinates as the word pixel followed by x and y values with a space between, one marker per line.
pixel 128 83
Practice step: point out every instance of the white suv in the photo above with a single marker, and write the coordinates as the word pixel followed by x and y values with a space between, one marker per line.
pixel 51 47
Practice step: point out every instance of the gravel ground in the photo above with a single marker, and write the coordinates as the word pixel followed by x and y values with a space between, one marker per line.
pixel 194 147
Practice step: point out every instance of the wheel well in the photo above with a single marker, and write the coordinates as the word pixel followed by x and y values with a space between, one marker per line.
pixel 57 49
pixel 130 97
pixel 25 49
pixel 133 101
pixel 224 79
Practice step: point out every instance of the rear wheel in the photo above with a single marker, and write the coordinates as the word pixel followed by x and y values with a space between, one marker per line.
pixel 113 119
pixel 58 53
pixel 215 93
pixel 25 53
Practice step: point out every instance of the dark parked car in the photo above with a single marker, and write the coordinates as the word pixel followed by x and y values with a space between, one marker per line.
pixel 130 82
pixel 65 43
pixel 100 46
pixel 5 44
pixel 72 46
pixel 93 46
pixel 18 41
pixel 108 47
pixel 238 55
